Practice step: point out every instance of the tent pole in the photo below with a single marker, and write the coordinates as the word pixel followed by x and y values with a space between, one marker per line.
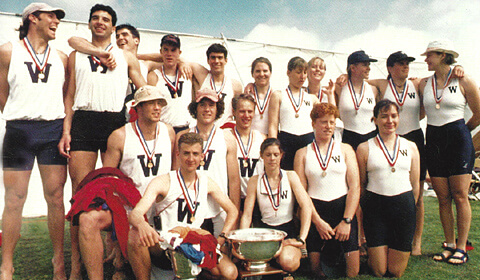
pixel 231 57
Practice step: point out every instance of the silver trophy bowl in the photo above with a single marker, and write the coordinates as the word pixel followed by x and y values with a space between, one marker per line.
pixel 256 246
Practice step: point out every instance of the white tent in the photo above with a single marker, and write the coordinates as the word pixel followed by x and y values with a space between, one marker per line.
pixel 241 54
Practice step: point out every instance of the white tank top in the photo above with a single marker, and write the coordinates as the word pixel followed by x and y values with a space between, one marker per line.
pixel 176 112
pixel 381 179
pixel 29 97
pixel 216 166
pixel 452 106
pixel 409 111
pixel 358 121
pixel 334 184
pixel 98 88
pixel 253 159
pixel 173 209
pixel 284 214
pixel 260 121
pixel 134 161
pixel 226 93
pixel 288 122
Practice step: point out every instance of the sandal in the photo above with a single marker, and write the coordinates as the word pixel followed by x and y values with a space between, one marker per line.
pixel 442 257
pixel 463 258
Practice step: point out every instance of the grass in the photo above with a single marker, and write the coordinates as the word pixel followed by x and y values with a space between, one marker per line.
pixel 33 253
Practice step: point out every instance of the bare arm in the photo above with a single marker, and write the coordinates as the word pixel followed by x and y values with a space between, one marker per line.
pixel 274 114
pixel 304 202
pixel 115 144
pixel 84 46
pixel 171 134
pixel 415 171
pixel 362 157
pixel 64 144
pixel 472 94
pixel 330 92
pixel 249 89
pixel 249 204
pixel 199 74
pixel 226 204
pixel 233 170
pixel 5 56
pixel 237 87
pixel 152 78
pixel 134 69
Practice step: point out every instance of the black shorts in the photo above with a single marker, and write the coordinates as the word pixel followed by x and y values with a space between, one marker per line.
pixel 354 139
pixel 417 137
pixel 90 130
pixel 332 213
pixel 25 140
pixel 449 149
pixel 389 220
pixel 288 227
pixel 291 143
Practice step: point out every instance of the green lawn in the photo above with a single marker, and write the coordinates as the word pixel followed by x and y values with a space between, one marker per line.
pixel 33 254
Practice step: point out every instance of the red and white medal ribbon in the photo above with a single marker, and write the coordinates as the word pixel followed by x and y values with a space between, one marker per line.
pixel 191 204
pixel 438 98
pixel 399 97
pixel 323 161
pixel 245 150
pixel 108 49
pixel 172 85
pixel 319 95
pixel 296 106
pixel 356 102
pixel 147 151
pixel 274 202
pixel 39 64
pixel 212 84
pixel 261 107
pixel 209 140
pixel 392 159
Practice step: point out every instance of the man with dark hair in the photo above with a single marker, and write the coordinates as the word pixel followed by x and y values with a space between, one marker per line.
pixel 32 77
pixel 94 103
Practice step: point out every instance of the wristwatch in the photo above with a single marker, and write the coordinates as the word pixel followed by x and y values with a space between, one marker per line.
pixel 299 239
pixel 347 220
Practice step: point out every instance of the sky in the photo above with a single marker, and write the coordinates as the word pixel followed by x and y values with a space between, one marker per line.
pixel 379 27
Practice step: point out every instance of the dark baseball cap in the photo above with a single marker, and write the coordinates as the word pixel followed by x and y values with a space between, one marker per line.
pixel 171 40
pixel 397 57
pixel 359 56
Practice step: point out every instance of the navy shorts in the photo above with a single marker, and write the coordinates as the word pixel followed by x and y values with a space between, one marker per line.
pixel 332 213
pixel 291 143
pixel 417 137
pixel 25 140
pixel 90 130
pixel 449 149
pixel 288 227
pixel 389 220
pixel 354 139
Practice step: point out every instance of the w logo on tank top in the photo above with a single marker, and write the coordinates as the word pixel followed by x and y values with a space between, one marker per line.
pixel 403 152
pixel 207 160
pixel 284 194
pixel 370 100
pixel 222 96
pixel 336 159
pixel 411 95
pixel 183 211
pixel 144 164
pixel 307 103
pixel 179 90
pixel 94 65
pixel 452 89
pixel 34 72
pixel 251 164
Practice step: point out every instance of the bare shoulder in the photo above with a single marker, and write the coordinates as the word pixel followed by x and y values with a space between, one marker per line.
pixel 119 133
pixel 6 53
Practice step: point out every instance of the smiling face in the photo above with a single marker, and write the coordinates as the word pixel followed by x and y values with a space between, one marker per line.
pixel 101 24
pixel 434 59
pixel 361 70
pixel 244 114
pixel 261 74
pixel 324 127
pixel 46 23
pixel 125 40
pixel 217 62
pixel 190 156
pixel 387 120
pixel 150 110
pixel 316 71
pixel 206 111
pixel 399 69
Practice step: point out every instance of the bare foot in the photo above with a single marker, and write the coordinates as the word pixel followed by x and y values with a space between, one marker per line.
pixel 58 269
pixel 416 251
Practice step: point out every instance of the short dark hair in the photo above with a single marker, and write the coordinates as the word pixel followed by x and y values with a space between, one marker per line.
pixel 240 97
pixel 130 28
pixel 449 59
pixel 217 48
pixel 190 138
pixel 297 62
pixel 108 9
pixel 23 29
pixel 383 105
pixel 192 108
pixel 261 60
pixel 270 142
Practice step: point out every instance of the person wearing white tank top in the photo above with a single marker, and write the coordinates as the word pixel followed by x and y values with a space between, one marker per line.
pixel 189 156
pixel 449 147
pixel 276 192
pixel 389 168
pixel 32 77
pixel 328 170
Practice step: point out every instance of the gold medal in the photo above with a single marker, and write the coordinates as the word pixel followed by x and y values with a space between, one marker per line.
pixel 192 219
pixel 437 106
pixel 150 164
pixel 175 95
pixel 296 115
pixel 393 169
pixel 202 163
pixel 245 163
pixel 324 173
pixel 41 76
pixel 261 116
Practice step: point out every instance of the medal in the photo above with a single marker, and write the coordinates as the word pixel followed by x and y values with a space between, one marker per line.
pixel 212 84
pixel 262 106
pixel 356 102
pixel 147 151
pixel 175 95
pixel 399 97
pixel 244 150
pixel 438 96
pixel 437 106
pixel 191 204
pixel 323 161
pixel 274 199
pixel 172 85
pixel 192 219
pixel 97 60
pixel 296 106
pixel 40 65
pixel 392 159
pixel 202 163
pixel 245 164
pixel 207 143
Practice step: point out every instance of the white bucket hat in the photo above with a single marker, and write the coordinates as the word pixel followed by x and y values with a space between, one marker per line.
pixel 441 46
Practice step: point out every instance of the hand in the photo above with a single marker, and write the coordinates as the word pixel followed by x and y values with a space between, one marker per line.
pixel 458 72
pixel 329 89
pixel 325 230
pixel 107 59
pixel 342 80
pixel 147 235
pixel 342 231
pixel 292 242
pixel 64 145
pixel 249 89
pixel 185 71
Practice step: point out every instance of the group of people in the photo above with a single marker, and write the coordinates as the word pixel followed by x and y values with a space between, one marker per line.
pixel 195 149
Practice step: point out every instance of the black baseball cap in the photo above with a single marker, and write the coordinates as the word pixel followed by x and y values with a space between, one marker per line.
pixel 397 57
pixel 171 40
pixel 359 56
